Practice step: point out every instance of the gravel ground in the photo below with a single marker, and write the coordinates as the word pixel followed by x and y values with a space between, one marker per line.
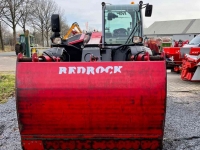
pixel 182 126
pixel 9 133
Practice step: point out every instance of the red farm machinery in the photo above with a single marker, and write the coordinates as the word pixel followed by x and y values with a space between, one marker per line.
pixel 185 60
pixel 190 68
pixel 99 90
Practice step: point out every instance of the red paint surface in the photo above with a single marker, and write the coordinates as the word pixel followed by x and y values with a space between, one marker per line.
pixel 153 46
pixel 189 65
pixel 32 145
pixel 195 51
pixel 175 52
pixel 105 110
pixel 95 38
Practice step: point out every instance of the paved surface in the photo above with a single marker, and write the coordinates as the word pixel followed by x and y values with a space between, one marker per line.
pixel 7 54
pixel 175 84
pixel 7 62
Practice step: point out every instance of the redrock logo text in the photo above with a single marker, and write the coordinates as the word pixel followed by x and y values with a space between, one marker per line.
pixel 90 70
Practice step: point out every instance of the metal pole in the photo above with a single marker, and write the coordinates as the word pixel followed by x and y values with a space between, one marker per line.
pixel 27 41
pixel 103 23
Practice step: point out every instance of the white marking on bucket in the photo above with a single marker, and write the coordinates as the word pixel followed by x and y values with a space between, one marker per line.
pixel 72 70
pixel 81 70
pixel 90 70
pixel 62 70
pixel 117 69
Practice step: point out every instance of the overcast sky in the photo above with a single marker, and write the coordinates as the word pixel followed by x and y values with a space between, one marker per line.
pixel 82 11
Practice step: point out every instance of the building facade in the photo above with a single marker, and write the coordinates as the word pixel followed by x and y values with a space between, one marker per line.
pixel 175 29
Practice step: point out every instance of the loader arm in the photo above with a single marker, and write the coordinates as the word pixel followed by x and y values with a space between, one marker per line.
pixel 75 24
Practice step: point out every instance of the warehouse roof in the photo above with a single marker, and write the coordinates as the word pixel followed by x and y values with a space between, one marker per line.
pixel 171 27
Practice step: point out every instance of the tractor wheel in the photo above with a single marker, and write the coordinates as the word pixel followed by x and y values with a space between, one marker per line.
pixel 23 48
pixel 17 49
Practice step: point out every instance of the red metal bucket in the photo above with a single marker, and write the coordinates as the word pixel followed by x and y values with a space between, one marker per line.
pixel 98 105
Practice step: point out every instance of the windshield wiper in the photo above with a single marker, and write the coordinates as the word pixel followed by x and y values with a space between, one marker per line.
pixel 133 32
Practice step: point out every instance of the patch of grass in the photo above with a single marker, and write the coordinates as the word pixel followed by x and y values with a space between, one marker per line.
pixel 7 48
pixel 7 86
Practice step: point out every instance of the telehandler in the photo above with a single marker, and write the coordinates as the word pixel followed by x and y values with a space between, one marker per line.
pixel 104 90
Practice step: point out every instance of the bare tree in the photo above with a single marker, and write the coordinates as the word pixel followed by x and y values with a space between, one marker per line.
pixel 2 6
pixel 64 26
pixel 50 9
pixel 41 18
pixel 7 35
pixel 37 19
pixel 26 12
pixel 12 14
pixel 1 38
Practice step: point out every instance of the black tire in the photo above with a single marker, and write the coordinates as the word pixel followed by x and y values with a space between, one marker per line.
pixel 23 48
pixel 17 49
